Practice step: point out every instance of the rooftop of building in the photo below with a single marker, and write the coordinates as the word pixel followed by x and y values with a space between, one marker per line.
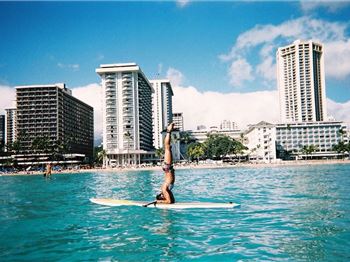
pixel 165 81
pixel 117 65
pixel 59 85
pixel 297 42
pixel 121 67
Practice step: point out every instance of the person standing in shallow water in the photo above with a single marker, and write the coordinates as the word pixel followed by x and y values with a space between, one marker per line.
pixel 48 170
pixel 166 196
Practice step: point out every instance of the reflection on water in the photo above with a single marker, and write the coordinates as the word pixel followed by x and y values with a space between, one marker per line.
pixel 292 214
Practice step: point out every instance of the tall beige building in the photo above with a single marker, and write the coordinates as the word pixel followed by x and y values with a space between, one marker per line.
pixel 162 107
pixel 301 82
pixel 127 114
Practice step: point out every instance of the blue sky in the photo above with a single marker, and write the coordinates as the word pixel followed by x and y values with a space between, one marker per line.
pixel 225 47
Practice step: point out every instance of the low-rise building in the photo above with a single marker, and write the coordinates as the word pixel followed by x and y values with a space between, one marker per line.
pixel 260 140
pixel 291 138
pixel 202 134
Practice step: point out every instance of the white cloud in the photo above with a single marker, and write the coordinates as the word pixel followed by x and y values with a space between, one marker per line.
pixel 74 67
pixel 267 38
pixel 331 6
pixel 210 108
pixel 240 71
pixel 175 76
pixel 182 3
pixel 267 69
pixel 92 95
pixel 340 111
pixel 337 57
pixel 8 96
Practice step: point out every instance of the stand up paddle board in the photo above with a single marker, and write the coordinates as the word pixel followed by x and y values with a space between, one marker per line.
pixel 180 205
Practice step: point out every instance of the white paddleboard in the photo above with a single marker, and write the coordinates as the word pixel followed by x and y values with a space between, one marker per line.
pixel 177 205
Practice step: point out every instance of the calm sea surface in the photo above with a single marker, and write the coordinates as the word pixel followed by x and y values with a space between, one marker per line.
pixel 286 214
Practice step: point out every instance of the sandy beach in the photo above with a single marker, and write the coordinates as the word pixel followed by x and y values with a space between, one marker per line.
pixel 190 166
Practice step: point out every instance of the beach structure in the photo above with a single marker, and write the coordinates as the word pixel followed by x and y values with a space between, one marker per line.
pixel 178 120
pixel 127 114
pixel 292 140
pixel 162 109
pixel 48 121
pixel 201 134
pixel 301 82
pixel 260 139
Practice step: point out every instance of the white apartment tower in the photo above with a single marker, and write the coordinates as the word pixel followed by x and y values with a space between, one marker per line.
pixel 127 114
pixel 301 82
pixel 162 106
pixel 178 120
pixel 10 125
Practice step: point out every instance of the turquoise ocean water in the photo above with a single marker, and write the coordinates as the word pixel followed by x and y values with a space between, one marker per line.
pixel 286 214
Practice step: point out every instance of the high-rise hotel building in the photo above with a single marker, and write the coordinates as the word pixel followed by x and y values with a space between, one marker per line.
pixel 127 114
pixel 51 113
pixel 162 106
pixel 10 126
pixel 301 82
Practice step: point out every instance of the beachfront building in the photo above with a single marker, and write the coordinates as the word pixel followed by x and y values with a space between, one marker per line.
pixel 201 134
pixel 49 120
pixel 162 109
pixel 301 82
pixel 2 133
pixel 293 139
pixel 10 126
pixel 127 114
pixel 260 140
pixel 178 120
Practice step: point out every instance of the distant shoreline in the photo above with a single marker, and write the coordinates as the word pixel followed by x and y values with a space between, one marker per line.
pixel 191 166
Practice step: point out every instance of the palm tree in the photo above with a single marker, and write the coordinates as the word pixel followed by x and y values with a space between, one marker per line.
pixel 16 146
pixel 160 153
pixel 341 148
pixel 186 139
pixel 101 157
pixel 308 150
pixel 196 151
pixel 342 133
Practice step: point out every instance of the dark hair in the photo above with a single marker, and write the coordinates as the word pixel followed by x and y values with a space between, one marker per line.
pixel 160 196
